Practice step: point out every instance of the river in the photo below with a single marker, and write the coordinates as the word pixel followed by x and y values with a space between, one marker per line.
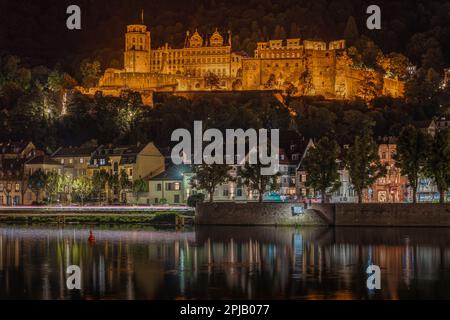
pixel 142 262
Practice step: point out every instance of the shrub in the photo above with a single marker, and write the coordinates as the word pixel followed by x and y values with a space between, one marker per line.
pixel 194 199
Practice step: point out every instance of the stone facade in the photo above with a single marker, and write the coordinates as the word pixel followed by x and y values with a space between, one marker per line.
pixel 296 66
pixel 229 213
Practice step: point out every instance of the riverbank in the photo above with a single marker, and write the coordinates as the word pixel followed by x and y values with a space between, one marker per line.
pixel 336 214
pixel 151 218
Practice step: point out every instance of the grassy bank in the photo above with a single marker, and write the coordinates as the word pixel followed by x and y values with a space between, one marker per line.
pixel 156 218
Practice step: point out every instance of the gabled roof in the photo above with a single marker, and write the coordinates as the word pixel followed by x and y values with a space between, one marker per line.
pixel 44 160
pixel 423 124
pixel 174 172
pixel 74 152
pixel 13 147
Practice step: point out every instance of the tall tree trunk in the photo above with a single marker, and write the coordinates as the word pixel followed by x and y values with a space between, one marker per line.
pixel 359 197
pixel 414 194
pixel 442 195
pixel 211 195
pixel 260 197
pixel 324 198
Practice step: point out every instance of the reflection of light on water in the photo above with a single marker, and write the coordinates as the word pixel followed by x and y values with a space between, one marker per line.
pixel 246 263
pixel 182 271
pixel 407 263
pixel 298 252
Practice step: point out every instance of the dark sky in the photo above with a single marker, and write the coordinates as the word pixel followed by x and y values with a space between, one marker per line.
pixel 36 29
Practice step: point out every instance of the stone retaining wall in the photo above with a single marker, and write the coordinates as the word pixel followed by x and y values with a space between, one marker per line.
pixel 367 214
pixel 252 213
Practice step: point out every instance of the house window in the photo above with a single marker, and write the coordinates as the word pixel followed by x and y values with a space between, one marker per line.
pixel 102 162
pixel 70 160
pixel 81 160
pixel 239 192
pixel 17 187
pixel 225 192
pixel 176 186
pixel 158 187
pixel 176 198
pixel 62 161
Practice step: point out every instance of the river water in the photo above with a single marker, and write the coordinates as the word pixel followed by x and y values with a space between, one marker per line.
pixel 141 262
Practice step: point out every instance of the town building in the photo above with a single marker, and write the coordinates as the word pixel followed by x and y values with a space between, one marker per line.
pixel 427 126
pixel 393 187
pixel 74 160
pixel 13 178
pixel 443 123
pixel 169 187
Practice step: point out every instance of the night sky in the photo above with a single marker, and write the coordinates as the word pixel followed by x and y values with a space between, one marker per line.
pixel 36 30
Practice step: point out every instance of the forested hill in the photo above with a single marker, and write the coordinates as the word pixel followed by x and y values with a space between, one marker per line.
pixel 35 29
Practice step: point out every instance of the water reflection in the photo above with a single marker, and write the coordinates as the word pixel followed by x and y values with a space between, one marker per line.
pixel 132 262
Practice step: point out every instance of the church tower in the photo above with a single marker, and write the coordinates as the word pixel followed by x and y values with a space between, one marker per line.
pixel 137 48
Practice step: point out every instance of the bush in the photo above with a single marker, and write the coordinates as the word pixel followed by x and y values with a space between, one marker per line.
pixel 194 199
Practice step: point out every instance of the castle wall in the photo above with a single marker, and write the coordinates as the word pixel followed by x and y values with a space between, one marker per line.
pixel 305 68
pixel 393 87
pixel 137 81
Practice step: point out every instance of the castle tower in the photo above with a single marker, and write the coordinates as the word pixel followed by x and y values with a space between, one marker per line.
pixel 137 48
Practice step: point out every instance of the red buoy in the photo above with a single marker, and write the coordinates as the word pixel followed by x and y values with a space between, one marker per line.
pixel 91 237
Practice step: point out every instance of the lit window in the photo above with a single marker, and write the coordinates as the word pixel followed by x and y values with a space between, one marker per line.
pixel 176 186
pixel 17 187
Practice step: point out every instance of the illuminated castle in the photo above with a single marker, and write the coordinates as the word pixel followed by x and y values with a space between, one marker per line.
pixel 208 63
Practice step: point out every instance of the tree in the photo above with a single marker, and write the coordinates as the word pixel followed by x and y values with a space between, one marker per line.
pixel 368 87
pixel 438 163
pixel 412 150
pixel 363 163
pixel 394 64
pixel 82 187
pixel 53 185
pixel 124 182
pixel 139 186
pixel 254 180
pixel 113 184
pixel 36 182
pixel 209 176
pixel 99 181
pixel 90 72
pixel 194 199
pixel 321 166
pixel 212 81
